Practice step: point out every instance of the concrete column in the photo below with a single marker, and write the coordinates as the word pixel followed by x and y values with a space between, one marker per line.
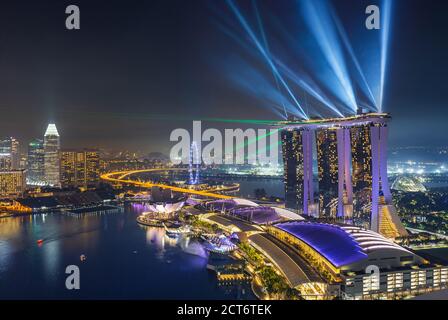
pixel 383 164
pixel 374 136
pixel 341 170
pixel 344 174
pixel 347 163
pixel 308 191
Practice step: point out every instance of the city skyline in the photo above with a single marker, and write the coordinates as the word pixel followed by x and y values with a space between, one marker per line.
pixel 227 150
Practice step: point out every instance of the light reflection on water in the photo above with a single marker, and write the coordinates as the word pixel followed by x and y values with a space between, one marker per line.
pixel 124 259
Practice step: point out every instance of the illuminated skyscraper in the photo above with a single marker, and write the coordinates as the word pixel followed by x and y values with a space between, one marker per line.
pixel 327 164
pixel 36 174
pixel 361 170
pixel 68 168
pixel 51 156
pixel 298 170
pixel 79 168
pixel 92 169
pixel 5 155
pixel 15 153
pixel 9 154
pixel 293 168
pixel 12 183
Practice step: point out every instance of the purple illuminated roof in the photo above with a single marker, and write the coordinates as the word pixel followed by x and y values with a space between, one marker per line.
pixel 332 242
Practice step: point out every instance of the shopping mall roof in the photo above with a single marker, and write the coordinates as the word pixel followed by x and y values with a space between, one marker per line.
pixel 331 241
pixel 260 213
pixel 345 245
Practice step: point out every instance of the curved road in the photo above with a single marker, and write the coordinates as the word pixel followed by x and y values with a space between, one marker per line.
pixel 120 177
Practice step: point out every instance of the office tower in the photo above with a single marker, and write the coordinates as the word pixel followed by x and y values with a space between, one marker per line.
pixel 51 156
pixel 23 161
pixel 79 168
pixel 68 168
pixel 36 172
pixel 5 155
pixel 9 154
pixel 92 169
pixel 15 154
pixel 12 183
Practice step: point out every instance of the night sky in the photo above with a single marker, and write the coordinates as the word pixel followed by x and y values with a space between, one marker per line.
pixel 139 69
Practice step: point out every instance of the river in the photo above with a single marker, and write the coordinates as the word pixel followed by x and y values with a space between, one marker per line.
pixel 124 260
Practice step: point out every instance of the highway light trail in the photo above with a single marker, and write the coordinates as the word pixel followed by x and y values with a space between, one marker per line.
pixel 120 177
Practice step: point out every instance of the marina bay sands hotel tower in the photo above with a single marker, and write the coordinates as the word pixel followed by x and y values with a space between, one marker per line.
pixel 351 184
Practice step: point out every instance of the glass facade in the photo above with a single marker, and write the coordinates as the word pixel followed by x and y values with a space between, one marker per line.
pixel 293 162
pixel 35 173
pixel 327 164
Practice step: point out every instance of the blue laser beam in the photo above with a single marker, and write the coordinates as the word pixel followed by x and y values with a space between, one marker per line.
pixel 319 21
pixel 385 35
pixel 266 45
pixel 251 80
pixel 261 49
pixel 351 52
pixel 312 90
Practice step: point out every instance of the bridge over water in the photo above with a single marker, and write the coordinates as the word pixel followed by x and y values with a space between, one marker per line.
pixel 123 177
